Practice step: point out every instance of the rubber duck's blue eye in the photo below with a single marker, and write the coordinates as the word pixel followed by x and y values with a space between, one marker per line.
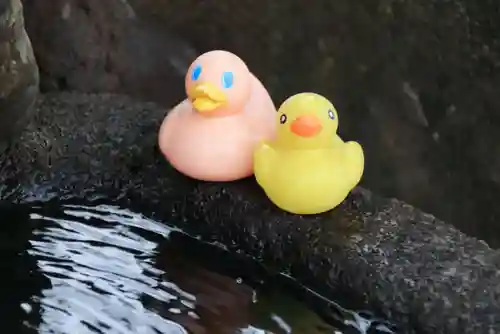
pixel 227 79
pixel 196 73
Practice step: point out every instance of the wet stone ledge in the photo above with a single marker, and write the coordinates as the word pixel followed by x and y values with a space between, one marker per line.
pixel 371 252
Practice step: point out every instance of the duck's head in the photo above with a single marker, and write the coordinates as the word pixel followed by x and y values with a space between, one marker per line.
pixel 218 83
pixel 306 121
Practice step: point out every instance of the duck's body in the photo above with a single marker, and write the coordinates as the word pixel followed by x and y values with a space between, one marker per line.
pixel 329 178
pixel 308 169
pixel 212 134
pixel 218 148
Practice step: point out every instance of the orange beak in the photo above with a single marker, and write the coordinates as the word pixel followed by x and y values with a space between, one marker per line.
pixel 306 126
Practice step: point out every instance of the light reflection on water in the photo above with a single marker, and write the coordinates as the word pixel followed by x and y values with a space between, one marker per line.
pixel 103 266
pixel 100 274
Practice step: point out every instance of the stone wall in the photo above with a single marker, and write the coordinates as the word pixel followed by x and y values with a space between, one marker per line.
pixel 97 46
pixel 414 81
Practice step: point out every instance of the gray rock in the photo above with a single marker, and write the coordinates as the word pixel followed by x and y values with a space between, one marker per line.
pixel 97 46
pixel 380 253
pixel 18 71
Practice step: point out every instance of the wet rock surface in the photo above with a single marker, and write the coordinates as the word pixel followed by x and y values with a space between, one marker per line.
pixel 383 254
pixel 416 82
pixel 18 71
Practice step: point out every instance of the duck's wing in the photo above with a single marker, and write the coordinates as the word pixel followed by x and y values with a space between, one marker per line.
pixel 355 160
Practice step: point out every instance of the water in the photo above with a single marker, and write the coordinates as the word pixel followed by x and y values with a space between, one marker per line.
pixel 102 269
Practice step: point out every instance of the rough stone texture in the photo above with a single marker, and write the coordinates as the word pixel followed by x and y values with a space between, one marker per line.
pixel 406 265
pixel 97 46
pixel 18 70
pixel 415 81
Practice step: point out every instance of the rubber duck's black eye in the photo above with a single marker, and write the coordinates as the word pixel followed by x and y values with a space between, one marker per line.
pixel 283 119
pixel 331 114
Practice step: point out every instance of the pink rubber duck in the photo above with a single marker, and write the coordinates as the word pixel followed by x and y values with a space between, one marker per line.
pixel 212 135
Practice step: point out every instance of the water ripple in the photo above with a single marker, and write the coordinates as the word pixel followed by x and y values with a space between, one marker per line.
pixel 102 268
pixel 100 275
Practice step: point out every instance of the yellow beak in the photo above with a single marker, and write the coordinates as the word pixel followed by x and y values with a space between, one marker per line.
pixel 206 97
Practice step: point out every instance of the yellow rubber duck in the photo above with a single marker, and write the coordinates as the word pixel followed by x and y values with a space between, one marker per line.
pixel 308 169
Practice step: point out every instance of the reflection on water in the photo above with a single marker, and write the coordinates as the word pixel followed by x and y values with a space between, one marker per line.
pixel 99 276
pixel 106 270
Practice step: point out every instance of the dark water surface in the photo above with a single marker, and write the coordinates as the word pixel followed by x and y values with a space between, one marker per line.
pixel 102 269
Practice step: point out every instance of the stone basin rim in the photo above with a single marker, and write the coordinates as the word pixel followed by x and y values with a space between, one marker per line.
pixel 412 268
